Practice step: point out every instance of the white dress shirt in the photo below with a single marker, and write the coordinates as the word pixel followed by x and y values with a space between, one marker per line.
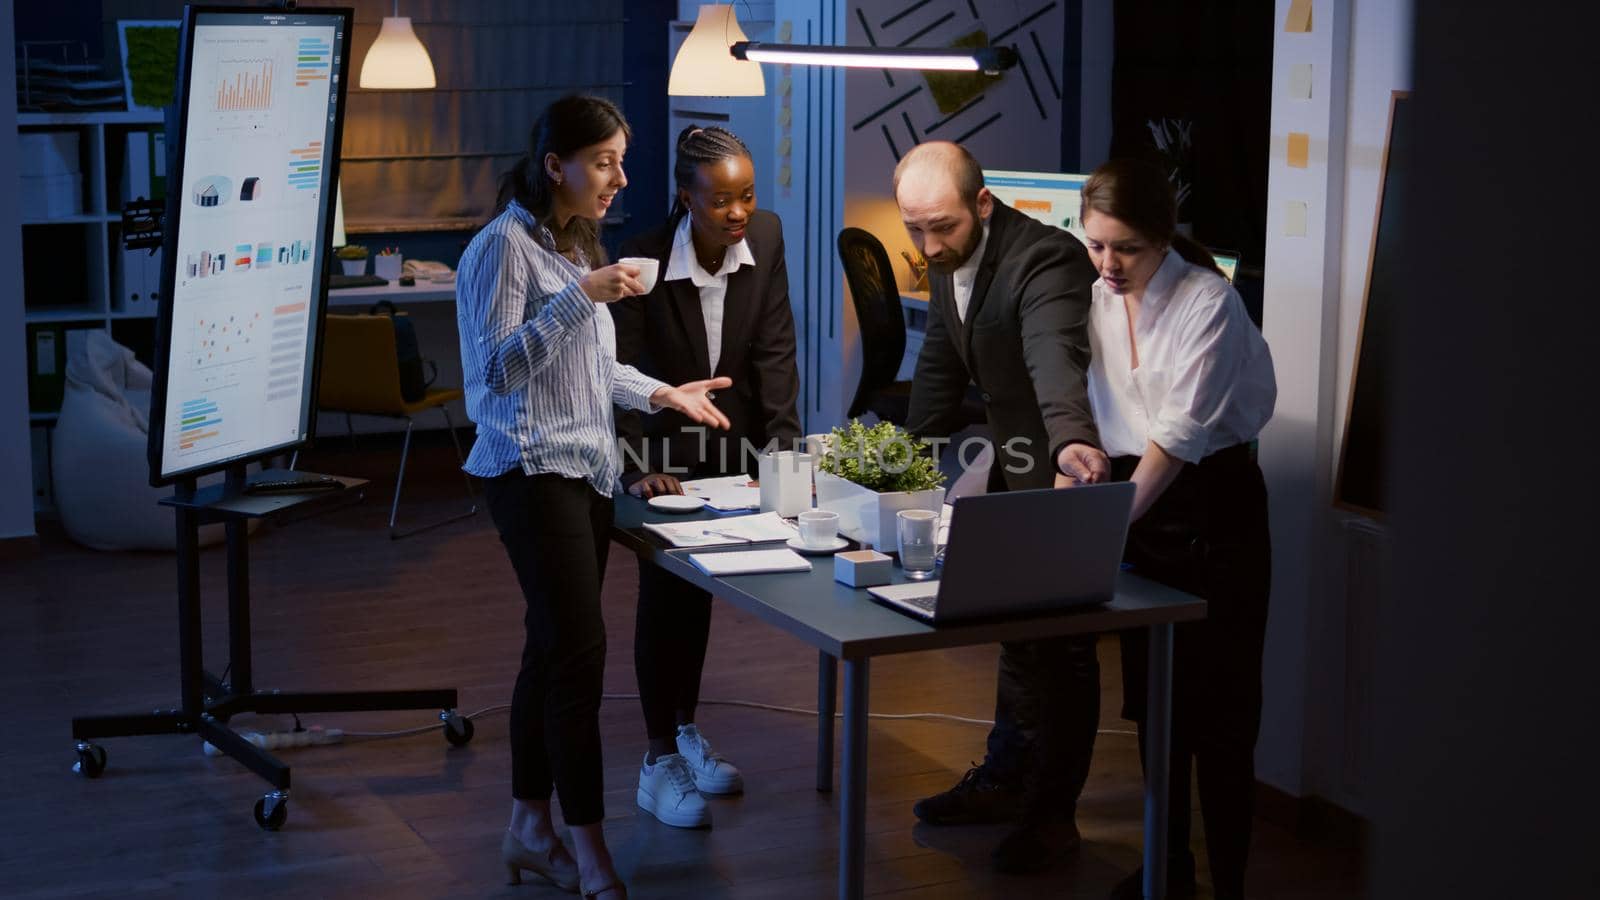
pixel 968 273
pixel 1205 379
pixel 713 288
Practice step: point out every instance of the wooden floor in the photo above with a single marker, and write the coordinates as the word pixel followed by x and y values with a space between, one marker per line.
pixel 338 605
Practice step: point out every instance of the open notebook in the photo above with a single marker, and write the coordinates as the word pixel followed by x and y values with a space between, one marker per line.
pixel 756 529
pixel 750 562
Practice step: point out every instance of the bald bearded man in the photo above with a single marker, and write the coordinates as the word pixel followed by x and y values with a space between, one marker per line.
pixel 1009 310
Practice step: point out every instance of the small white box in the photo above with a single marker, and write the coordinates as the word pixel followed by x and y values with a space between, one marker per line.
pixel 49 196
pixel 47 153
pixel 862 568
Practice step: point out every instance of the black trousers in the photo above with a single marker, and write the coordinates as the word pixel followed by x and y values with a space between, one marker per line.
pixel 556 531
pixel 671 630
pixel 672 624
pixel 1046 715
pixel 1207 535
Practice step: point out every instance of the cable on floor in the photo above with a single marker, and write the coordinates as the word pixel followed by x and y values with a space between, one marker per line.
pixel 748 704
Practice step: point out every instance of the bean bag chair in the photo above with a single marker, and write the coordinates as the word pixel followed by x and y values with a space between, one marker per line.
pixel 99 463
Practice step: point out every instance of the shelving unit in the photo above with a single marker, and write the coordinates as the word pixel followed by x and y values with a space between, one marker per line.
pixel 71 265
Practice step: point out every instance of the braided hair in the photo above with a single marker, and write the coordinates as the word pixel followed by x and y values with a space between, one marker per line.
pixel 566 126
pixel 697 147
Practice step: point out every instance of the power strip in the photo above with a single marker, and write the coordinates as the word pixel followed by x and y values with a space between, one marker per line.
pixel 284 740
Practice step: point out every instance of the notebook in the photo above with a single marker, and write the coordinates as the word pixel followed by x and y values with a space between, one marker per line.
pixel 756 529
pixel 750 562
pixel 727 493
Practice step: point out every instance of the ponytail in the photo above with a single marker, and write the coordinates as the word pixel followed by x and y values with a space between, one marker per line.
pixel 1191 251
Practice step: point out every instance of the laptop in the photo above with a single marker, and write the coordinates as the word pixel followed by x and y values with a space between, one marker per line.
pixel 1227 261
pixel 339 281
pixel 1023 552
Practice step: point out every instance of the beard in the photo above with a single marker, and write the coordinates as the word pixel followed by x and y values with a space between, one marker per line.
pixel 949 260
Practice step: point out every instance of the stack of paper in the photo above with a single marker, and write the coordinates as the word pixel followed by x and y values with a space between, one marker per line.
pixel 731 492
pixel 750 562
pixel 754 529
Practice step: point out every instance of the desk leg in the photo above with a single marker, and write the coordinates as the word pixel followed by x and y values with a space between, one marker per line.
pixel 853 812
pixel 1158 744
pixel 827 687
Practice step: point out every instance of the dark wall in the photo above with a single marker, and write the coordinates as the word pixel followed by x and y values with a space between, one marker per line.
pixel 1210 63
pixel 1485 777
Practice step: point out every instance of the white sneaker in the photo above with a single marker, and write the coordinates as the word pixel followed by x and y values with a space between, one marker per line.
pixel 712 773
pixel 667 791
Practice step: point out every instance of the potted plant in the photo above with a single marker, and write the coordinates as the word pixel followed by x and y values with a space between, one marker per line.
pixel 866 475
pixel 353 257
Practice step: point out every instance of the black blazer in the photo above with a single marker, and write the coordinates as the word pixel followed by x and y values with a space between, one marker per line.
pixel 1025 343
pixel 663 334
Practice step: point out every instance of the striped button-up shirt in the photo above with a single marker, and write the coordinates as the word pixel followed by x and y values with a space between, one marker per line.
pixel 539 358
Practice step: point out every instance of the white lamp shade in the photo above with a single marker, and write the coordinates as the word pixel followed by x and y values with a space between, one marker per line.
pixel 704 67
pixel 397 59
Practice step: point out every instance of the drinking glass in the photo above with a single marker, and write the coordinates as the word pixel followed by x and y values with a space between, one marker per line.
pixel 918 531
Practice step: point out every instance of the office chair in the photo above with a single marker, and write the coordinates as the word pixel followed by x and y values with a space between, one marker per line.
pixel 361 375
pixel 882 321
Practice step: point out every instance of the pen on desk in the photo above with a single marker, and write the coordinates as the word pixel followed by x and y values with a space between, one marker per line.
pixel 736 537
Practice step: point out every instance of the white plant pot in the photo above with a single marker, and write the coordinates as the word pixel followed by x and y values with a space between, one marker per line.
pixel 354 266
pixel 868 516
pixel 387 266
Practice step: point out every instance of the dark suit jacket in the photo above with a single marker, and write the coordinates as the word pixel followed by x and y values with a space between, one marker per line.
pixel 663 333
pixel 1025 344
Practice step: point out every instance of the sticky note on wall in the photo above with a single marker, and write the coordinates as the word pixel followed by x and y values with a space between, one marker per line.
pixel 1300 81
pixel 1299 20
pixel 1294 218
pixel 1299 149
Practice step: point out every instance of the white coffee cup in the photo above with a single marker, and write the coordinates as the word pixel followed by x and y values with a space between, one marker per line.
pixel 818 527
pixel 648 268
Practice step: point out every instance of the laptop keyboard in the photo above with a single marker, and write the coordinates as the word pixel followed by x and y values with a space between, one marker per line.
pixel 923 603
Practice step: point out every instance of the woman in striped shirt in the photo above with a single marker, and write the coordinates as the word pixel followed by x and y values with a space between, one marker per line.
pixel 538 354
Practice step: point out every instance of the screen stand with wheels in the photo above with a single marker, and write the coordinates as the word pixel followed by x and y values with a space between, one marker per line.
pixel 207 701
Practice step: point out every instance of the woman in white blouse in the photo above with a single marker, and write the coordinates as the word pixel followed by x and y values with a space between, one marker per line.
pixel 1181 383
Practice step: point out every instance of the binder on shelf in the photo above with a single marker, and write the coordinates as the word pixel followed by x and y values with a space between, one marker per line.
pixel 144 166
pixel 47 366
pixel 138 282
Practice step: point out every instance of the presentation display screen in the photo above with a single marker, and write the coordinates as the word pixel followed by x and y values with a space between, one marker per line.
pixel 1052 199
pixel 249 223
pixel 1057 200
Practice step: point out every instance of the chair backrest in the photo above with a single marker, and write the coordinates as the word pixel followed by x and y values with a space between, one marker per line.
pixel 878 312
pixel 360 371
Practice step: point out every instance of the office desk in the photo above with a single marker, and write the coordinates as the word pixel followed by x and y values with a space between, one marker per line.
pixel 421 292
pixel 844 624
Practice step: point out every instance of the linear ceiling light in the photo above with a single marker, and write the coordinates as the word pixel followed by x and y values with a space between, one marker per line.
pixel 989 60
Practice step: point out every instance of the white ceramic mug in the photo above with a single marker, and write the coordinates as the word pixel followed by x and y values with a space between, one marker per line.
pixel 649 267
pixel 819 528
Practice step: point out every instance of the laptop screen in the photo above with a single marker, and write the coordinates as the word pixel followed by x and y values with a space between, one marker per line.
pixel 1227 262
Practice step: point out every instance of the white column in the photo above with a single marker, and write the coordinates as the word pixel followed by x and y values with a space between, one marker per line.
pixel 1300 321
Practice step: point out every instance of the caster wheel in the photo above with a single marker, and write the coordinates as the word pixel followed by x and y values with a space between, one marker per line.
pixel 272 810
pixel 457 729
pixel 91 760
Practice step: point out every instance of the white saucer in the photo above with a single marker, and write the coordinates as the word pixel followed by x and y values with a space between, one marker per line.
pixel 800 546
pixel 678 503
